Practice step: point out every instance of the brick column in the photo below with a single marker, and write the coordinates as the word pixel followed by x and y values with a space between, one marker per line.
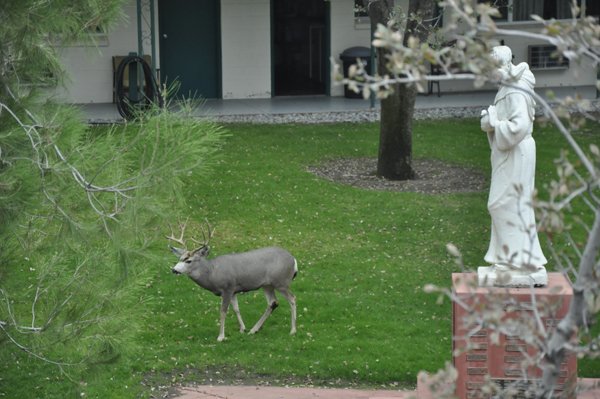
pixel 502 362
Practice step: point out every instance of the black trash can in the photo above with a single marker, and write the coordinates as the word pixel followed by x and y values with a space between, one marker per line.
pixel 348 58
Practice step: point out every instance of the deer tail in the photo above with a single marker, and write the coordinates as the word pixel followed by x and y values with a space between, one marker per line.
pixel 295 268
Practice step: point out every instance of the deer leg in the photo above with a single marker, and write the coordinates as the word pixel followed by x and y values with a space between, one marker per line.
pixel 225 300
pixel 292 300
pixel 271 305
pixel 236 309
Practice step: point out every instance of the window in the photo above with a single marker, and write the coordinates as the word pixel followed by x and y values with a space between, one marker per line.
pixel 361 14
pixel 592 8
pixel 545 57
pixel 501 5
pixel 521 10
pixel 360 9
pixel 95 35
pixel 98 34
pixel 559 9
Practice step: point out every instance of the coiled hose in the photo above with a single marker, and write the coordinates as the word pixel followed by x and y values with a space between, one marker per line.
pixel 126 105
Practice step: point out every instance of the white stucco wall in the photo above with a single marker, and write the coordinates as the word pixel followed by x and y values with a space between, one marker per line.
pixel 575 75
pixel 89 68
pixel 345 33
pixel 246 54
pixel 579 78
pixel 246 48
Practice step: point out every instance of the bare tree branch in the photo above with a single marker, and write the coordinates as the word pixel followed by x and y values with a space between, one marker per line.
pixel 575 318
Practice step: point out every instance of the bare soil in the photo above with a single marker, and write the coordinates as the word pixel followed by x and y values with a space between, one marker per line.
pixel 433 176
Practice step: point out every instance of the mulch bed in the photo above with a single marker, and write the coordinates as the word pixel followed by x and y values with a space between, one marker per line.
pixel 433 176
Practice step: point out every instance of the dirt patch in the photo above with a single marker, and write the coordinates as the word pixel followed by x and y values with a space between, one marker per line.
pixel 433 176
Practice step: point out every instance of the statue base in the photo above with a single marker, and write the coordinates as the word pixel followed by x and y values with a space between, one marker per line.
pixel 499 276
pixel 479 357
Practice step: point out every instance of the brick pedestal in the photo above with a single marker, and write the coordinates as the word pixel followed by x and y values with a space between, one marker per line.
pixel 503 362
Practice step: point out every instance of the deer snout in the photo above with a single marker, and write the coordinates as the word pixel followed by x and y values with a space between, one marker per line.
pixel 180 268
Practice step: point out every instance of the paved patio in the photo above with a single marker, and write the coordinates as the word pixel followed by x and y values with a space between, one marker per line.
pixel 258 392
pixel 592 391
pixel 219 108
pixel 107 113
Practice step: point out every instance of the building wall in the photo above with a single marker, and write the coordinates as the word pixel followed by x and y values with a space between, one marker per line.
pixel 576 77
pixel 89 68
pixel 345 33
pixel 246 48
pixel 246 54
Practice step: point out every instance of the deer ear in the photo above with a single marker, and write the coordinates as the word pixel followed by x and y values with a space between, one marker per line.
pixel 177 251
pixel 202 251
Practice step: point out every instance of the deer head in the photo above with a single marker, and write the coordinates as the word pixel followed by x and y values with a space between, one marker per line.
pixel 186 257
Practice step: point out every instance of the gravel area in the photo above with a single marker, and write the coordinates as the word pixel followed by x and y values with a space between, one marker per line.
pixel 362 115
pixel 349 116
pixel 318 117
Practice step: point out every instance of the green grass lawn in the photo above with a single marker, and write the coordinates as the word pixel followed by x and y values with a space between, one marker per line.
pixel 363 257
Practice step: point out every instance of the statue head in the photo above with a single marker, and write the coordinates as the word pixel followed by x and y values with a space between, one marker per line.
pixel 503 54
pixel 509 71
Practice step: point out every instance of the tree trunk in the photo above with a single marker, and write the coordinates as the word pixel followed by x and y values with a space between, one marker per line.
pixel 394 161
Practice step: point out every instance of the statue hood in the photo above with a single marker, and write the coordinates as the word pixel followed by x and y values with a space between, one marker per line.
pixel 522 75
pixel 522 81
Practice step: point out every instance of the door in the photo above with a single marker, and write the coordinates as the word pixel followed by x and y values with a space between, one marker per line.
pixel 300 40
pixel 190 48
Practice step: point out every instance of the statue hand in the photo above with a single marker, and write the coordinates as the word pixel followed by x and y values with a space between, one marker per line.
pixel 493 116
pixel 485 121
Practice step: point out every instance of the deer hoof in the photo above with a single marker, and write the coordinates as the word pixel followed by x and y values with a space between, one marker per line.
pixel 293 332
pixel 253 331
pixel 221 338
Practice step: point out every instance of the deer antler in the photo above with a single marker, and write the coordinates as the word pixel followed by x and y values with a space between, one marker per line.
pixel 206 240
pixel 179 240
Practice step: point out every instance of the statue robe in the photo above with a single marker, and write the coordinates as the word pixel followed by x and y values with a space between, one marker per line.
pixel 513 160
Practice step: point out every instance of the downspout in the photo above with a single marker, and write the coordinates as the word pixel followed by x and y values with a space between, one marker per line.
pixel 153 37
pixel 140 51
pixel 373 67
pixel 140 32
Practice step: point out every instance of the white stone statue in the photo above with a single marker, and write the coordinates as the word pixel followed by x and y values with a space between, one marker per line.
pixel 514 251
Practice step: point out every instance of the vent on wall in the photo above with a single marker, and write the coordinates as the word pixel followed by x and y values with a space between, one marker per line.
pixel 545 57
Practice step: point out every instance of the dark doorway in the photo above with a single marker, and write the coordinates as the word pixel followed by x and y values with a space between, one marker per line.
pixel 300 60
pixel 190 47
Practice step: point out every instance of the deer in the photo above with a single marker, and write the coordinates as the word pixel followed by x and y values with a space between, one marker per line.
pixel 270 268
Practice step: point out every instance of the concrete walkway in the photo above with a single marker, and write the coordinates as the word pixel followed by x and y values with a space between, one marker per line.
pixel 275 108
pixel 258 392
pixel 107 113
pixel 591 391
